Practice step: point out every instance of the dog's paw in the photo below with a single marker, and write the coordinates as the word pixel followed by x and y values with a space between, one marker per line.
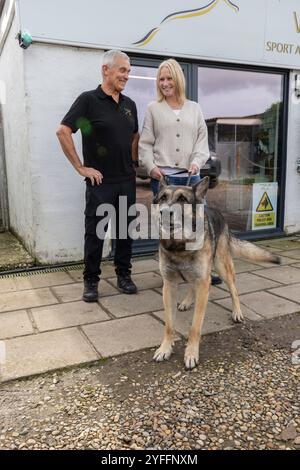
pixel 237 317
pixel 191 357
pixel 184 306
pixel 163 353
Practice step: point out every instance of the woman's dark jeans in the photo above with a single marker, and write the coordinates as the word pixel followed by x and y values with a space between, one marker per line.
pixel 175 181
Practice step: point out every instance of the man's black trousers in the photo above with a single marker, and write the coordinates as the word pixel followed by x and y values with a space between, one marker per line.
pixel 107 193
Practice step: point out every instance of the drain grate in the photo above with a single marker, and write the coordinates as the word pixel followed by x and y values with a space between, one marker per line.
pixel 61 267
pixel 40 270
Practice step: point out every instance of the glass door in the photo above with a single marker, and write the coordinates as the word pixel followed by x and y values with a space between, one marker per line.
pixel 244 115
pixel 141 87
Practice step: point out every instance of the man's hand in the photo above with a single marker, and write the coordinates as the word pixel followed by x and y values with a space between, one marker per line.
pixel 194 169
pixel 94 175
pixel 156 173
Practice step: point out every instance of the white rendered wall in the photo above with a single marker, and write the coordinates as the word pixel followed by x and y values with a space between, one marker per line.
pixel 292 194
pixel 17 151
pixel 55 76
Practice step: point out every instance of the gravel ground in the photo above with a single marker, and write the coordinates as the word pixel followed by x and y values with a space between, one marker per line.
pixel 244 395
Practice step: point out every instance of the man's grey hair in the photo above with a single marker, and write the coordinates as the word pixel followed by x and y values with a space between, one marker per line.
pixel 110 57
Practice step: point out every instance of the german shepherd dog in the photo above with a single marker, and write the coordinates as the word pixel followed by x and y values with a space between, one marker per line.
pixel 178 263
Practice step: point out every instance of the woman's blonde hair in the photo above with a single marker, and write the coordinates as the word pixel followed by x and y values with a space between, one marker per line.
pixel 177 76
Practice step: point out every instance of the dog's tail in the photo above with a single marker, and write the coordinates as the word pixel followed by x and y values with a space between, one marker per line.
pixel 251 252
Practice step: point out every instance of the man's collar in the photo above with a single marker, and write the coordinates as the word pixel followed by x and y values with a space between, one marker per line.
pixel 101 94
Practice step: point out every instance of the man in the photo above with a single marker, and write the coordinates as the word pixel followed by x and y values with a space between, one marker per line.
pixel 109 127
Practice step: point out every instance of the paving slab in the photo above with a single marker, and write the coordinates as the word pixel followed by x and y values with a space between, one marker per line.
pixel 35 281
pixel 268 305
pixel 106 289
pixel 284 261
pixel 7 284
pixel 216 319
pixel 107 270
pixel 73 292
pixel 282 244
pixel 125 305
pixel 143 281
pixel 250 282
pixel 26 299
pixel 268 247
pixel 294 254
pixel 289 292
pixel 125 335
pixel 14 324
pixel 247 312
pixel 242 266
pixel 67 315
pixel 144 266
pixel 76 274
pixel 43 352
pixel 282 274
pixel 214 292
pixel 217 292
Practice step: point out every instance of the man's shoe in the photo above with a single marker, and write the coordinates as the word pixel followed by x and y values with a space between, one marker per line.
pixel 90 293
pixel 126 285
pixel 215 280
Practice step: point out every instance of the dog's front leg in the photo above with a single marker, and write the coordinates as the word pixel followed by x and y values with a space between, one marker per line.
pixel 191 355
pixel 169 298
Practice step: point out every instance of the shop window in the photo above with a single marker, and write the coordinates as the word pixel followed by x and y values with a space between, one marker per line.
pixel 243 111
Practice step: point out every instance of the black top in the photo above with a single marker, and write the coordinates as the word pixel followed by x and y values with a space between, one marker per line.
pixel 107 130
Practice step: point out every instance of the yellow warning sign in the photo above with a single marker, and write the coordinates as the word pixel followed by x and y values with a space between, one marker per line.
pixel 264 220
pixel 264 204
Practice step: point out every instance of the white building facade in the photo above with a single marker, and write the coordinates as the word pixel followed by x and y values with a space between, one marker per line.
pixel 242 63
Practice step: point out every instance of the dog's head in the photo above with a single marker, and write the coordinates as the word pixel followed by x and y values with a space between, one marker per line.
pixel 177 209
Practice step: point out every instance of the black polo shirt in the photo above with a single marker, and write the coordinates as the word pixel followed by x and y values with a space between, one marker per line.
pixel 107 130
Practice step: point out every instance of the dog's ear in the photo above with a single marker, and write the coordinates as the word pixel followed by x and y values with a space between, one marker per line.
pixel 200 189
pixel 162 184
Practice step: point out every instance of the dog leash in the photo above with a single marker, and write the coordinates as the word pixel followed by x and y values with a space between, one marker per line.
pixel 189 178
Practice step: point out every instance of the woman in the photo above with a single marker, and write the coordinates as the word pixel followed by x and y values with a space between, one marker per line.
pixel 174 137
pixel 173 141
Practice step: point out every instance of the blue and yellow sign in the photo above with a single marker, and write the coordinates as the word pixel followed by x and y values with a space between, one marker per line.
pixel 183 15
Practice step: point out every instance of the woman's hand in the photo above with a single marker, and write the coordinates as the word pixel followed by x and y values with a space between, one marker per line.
pixel 194 169
pixel 156 173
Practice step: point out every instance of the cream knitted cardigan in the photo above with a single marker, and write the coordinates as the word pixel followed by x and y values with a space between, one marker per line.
pixel 171 140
